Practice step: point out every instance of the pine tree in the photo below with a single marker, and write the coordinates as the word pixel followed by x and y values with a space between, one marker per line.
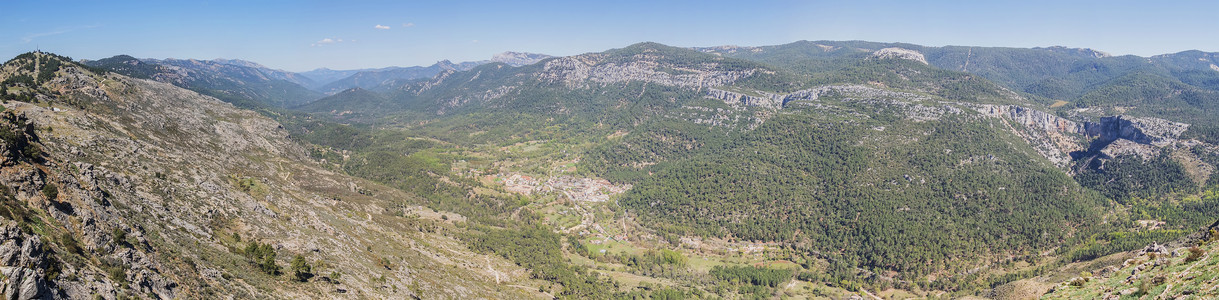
pixel 301 271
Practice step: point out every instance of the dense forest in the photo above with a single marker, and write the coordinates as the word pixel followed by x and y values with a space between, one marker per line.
pixel 803 180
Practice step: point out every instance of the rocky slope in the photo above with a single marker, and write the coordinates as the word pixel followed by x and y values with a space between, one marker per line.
pixel 1185 269
pixel 116 186
pixel 243 83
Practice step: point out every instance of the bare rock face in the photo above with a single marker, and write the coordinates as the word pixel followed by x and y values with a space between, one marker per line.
pixel 1150 131
pixel 1046 132
pixel 23 263
pixel 1122 147
pixel 771 100
pixel 766 100
pixel 899 53
pixel 1031 117
pixel 579 71
pixel 1058 138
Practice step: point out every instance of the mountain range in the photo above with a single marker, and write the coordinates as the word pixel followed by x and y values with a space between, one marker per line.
pixel 810 169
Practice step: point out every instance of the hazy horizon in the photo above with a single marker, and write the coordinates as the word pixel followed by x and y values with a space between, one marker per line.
pixel 374 34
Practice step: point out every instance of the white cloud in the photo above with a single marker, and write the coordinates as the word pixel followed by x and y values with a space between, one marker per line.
pixel 326 41
pixel 408 24
pixel 31 37
pixel 474 41
pixel 379 26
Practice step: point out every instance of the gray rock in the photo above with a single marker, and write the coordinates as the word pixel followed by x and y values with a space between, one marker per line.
pixel 23 263
pixel 898 53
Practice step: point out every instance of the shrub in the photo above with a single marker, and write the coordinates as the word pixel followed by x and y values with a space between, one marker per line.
pixel 1144 288
pixel 70 244
pixel 263 256
pixel 301 271
pixel 1195 254
pixel 116 270
pixel 51 191
pixel 385 263
pixel 120 237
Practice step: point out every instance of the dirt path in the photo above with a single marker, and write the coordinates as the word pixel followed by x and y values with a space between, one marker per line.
pixel 866 292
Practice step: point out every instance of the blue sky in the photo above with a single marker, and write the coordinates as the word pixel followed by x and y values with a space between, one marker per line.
pixel 302 35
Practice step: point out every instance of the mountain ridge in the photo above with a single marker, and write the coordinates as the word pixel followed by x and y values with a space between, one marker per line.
pixel 824 148
pixel 122 195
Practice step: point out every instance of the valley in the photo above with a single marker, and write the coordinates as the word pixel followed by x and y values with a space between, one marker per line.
pixel 812 170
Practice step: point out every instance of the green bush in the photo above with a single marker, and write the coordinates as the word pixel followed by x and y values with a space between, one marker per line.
pixel 301 271
pixel 120 237
pixel 70 244
pixel 263 256
pixel 51 191
pixel 1195 254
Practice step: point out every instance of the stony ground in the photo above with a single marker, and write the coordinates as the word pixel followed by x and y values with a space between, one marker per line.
pixel 1156 273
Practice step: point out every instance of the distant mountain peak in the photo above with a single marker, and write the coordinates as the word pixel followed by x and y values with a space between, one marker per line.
pixel 517 59
pixel 447 65
pixel 238 62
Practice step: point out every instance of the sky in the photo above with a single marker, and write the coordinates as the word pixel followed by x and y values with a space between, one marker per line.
pixel 304 35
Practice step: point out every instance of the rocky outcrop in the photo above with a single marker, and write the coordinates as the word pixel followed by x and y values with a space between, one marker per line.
pixel 775 101
pixel 851 91
pixel 1048 133
pixel 1143 137
pixel 1030 117
pixel 1149 131
pixel 899 53
pixel 578 71
pixel 23 262
pixel 766 100
pixel 1061 140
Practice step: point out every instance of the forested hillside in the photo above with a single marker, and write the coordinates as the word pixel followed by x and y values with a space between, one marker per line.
pixel 813 168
